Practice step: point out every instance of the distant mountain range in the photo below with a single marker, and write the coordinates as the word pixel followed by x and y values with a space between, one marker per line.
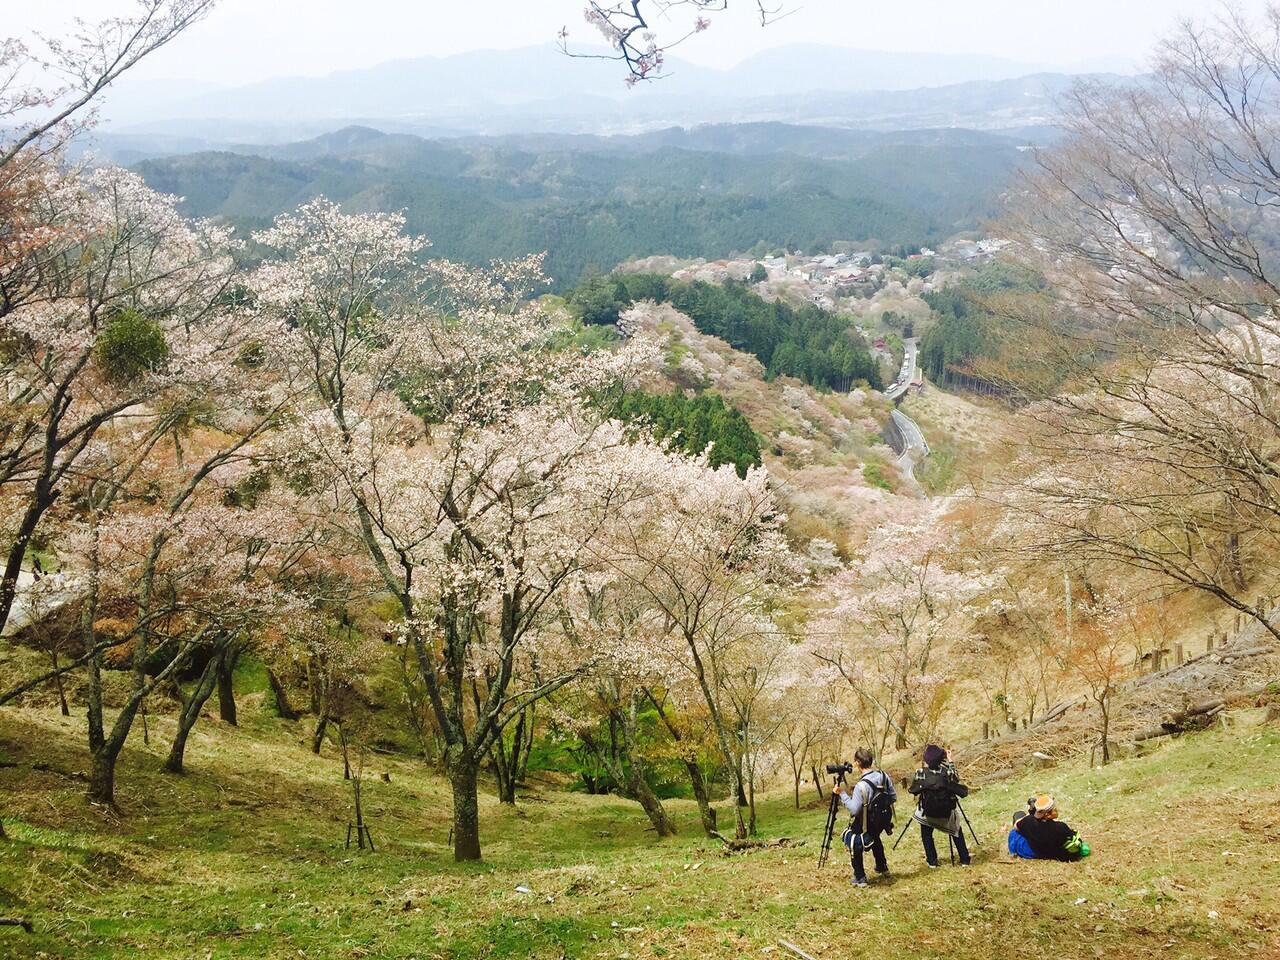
pixel 596 201
pixel 538 89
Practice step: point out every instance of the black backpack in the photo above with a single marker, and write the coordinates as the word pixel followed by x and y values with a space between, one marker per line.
pixel 877 815
pixel 936 798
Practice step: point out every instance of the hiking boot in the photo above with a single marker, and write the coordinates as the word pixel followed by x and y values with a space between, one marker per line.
pixel 859 881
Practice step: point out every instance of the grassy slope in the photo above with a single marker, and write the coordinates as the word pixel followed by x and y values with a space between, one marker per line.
pixel 242 858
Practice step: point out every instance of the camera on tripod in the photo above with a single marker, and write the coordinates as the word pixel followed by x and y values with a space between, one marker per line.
pixel 838 768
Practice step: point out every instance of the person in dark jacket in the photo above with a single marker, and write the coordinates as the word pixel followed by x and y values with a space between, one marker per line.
pixel 1040 832
pixel 938 790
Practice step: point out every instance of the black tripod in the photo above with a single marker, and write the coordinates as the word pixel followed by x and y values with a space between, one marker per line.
pixel 832 813
pixel 960 807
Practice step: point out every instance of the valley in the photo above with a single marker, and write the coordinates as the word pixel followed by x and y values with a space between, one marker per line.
pixel 571 480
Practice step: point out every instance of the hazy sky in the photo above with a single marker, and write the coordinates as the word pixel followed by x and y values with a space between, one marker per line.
pixel 246 40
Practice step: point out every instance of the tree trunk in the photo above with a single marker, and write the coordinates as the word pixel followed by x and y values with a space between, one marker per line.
pixel 1234 563
pixel 102 775
pixel 317 739
pixel 190 713
pixel 817 783
pixel 463 774
pixel 226 687
pixel 698 783
pixel 1105 706
pixel 507 763
pixel 62 691
pixel 631 766
pixel 42 498
pixel 663 825
pixel 284 708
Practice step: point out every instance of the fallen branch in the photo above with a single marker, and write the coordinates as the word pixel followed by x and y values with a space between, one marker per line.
pixel 1056 712
pixel 1231 655
pixel 1198 716
pixel 735 845
pixel 17 922
pixel 792 948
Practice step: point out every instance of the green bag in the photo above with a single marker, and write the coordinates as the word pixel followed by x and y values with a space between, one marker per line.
pixel 1076 846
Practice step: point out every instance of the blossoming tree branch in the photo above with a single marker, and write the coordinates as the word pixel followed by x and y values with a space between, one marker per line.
pixel 640 32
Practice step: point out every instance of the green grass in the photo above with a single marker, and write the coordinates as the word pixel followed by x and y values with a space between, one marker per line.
pixel 243 858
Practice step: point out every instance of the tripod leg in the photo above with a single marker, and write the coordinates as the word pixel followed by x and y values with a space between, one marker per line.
pixel 972 833
pixel 910 821
pixel 825 853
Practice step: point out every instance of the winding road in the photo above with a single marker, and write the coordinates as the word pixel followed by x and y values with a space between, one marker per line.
pixel 914 446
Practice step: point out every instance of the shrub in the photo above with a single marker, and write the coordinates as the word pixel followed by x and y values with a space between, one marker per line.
pixel 130 346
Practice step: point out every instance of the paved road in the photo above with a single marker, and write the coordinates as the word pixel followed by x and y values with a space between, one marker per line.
pixel 911 435
pixel 907 374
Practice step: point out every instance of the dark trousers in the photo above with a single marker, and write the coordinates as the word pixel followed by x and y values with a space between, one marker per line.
pixel 856 849
pixel 931 852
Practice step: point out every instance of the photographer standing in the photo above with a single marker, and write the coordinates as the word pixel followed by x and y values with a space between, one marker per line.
pixel 938 788
pixel 870 804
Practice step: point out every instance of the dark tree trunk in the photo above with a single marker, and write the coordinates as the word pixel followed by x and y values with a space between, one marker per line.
pixel 226 687
pixel 284 708
pixel 698 783
pixel 102 775
pixel 1234 562
pixel 190 713
pixel 317 739
pixel 628 769
pixel 463 775
pixel 663 825
pixel 817 783
pixel 42 498
pixel 62 690
pixel 509 760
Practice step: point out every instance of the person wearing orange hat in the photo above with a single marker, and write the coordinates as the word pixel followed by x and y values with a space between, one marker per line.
pixel 1038 834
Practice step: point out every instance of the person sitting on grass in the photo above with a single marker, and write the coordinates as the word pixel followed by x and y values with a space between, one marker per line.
pixel 1038 834
pixel 938 788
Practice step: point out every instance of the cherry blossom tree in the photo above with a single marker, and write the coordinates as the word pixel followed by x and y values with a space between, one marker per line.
pixel 461 435
pixel 707 549
pixel 128 305
pixel 888 615
pixel 80 67
pixel 604 707
pixel 810 718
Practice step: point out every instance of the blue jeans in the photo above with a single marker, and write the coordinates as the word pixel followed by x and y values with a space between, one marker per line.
pixel 931 851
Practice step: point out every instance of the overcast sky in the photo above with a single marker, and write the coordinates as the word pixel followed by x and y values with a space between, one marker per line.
pixel 245 40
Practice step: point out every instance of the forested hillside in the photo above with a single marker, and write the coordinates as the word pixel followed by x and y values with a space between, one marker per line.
pixel 600 203
pixel 808 343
